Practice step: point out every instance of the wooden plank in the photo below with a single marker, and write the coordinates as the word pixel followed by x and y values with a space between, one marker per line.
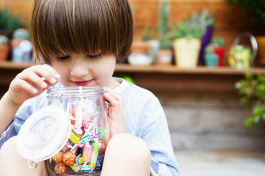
pixel 205 111
pixel 170 69
pixel 217 141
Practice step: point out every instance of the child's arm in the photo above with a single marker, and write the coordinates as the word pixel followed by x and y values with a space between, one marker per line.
pixel 27 84
pixel 115 111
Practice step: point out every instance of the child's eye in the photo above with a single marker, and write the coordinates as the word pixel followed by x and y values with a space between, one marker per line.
pixel 63 58
pixel 94 56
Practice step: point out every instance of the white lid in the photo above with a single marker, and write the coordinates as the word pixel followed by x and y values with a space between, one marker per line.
pixel 44 134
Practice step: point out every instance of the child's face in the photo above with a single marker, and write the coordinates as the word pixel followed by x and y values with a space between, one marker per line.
pixel 92 69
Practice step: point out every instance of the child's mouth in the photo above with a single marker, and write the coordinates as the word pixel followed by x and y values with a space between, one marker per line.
pixel 82 83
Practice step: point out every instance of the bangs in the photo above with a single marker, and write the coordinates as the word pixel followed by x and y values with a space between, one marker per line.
pixel 82 26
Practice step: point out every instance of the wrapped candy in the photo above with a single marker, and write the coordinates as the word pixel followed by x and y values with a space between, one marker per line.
pixel 60 169
pixel 74 138
pixel 94 156
pixel 102 148
pixel 87 152
pixel 65 148
pixel 69 158
pixel 58 158
pixel 101 133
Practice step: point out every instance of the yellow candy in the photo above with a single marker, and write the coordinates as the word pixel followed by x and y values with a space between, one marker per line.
pixel 74 138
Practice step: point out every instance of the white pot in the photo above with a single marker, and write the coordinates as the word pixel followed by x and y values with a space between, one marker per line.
pixel 187 52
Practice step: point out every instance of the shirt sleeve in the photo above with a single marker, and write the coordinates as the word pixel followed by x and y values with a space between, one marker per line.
pixel 156 133
pixel 22 114
pixel 25 110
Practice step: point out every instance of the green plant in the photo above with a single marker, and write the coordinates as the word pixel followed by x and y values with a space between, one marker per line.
pixel 194 26
pixel 4 39
pixel 202 18
pixel 186 29
pixel 253 9
pixel 252 91
pixel 8 22
pixel 164 42
pixel 148 33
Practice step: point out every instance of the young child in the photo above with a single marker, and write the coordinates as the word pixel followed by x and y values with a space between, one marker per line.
pixel 77 43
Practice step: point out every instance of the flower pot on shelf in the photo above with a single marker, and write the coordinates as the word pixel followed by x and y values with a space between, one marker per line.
pixel 187 52
pixel 4 51
pixel 139 54
pixel 164 57
pixel 4 47
pixel 210 59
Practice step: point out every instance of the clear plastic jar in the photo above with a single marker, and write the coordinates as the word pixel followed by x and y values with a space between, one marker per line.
pixel 80 143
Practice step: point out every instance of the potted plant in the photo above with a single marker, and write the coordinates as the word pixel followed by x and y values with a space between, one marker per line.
pixel 164 54
pixel 4 47
pixel 252 91
pixel 9 23
pixel 149 36
pixel 214 52
pixel 187 43
pixel 206 21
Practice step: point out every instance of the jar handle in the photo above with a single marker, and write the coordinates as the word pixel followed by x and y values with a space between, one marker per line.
pixel 32 164
pixel 253 43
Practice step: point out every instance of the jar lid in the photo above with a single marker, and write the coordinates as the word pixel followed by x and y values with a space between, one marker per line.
pixel 44 134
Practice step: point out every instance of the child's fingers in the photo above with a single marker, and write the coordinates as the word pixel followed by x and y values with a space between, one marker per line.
pixel 26 86
pixel 112 101
pixel 42 71
pixel 113 94
pixel 47 73
pixel 36 80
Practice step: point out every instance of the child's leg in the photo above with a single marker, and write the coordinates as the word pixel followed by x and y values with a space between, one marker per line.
pixel 127 155
pixel 11 163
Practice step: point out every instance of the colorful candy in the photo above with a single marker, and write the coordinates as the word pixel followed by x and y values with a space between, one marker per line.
pixel 74 138
pixel 84 151
pixel 58 158
pixel 69 158
pixel 94 156
pixel 87 152
pixel 60 169
pixel 102 148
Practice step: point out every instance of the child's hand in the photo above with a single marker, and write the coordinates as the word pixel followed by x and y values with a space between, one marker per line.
pixel 32 82
pixel 115 112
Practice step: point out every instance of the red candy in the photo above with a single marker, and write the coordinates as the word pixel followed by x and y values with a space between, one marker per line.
pixel 65 148
pixel 102 148
pixel 58 158
pixel 69 158
pixel 60 169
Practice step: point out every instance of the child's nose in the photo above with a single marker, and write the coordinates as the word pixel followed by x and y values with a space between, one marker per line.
pixel 79 70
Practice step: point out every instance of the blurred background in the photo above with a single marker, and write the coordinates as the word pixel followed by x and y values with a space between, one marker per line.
pixel 203 59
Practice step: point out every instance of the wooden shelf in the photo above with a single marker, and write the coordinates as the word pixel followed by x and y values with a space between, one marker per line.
pixel 158 69
pixel 200 78
pixel 198 70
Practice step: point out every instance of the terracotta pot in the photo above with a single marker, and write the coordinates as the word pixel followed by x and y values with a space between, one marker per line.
pixel 15 42
pixel 164 57
pixel 139 47
pixel 4 51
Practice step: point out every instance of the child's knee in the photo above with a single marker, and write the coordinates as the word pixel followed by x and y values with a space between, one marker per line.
pixel 128 145
pixel 9 146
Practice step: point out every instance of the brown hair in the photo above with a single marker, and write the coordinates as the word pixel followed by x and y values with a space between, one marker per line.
pixel 81 26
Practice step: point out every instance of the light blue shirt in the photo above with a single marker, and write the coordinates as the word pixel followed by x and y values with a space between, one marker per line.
pixel 144 118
